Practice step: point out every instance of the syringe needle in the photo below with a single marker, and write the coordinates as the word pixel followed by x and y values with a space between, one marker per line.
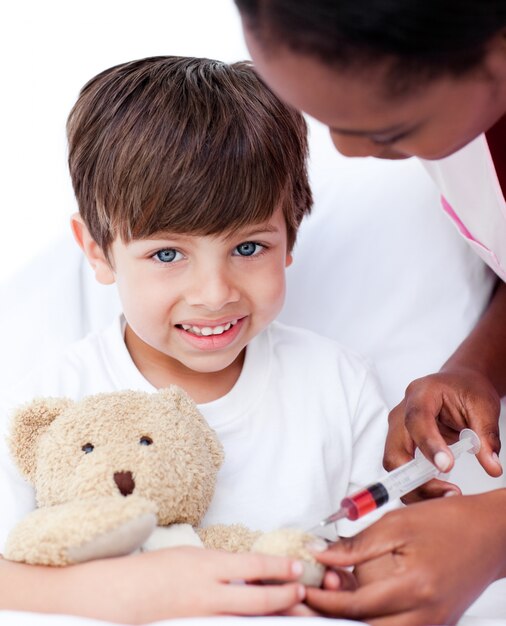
pixel 341 514
pixel 335 517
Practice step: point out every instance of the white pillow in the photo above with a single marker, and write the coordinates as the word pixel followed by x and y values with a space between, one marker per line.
pixel 379 267
pixel 52 302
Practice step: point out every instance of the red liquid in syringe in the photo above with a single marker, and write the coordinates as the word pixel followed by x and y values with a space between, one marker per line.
pixel 360 503
pixel 365 501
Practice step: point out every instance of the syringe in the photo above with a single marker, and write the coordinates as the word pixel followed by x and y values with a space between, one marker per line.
pixel 399 482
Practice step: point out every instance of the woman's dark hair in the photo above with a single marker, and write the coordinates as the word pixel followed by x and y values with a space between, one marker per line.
pixel 422 38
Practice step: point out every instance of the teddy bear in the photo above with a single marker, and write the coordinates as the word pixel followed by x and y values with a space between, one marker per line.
pixel 125 471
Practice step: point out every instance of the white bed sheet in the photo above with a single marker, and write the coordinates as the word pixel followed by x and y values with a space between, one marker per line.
pixel 12 618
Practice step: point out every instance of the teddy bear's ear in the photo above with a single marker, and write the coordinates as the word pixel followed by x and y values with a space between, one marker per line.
pixel 29 422
pixel 187 406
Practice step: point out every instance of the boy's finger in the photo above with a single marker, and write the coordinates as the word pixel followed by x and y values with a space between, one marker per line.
pixel 252 567
pixel 262 599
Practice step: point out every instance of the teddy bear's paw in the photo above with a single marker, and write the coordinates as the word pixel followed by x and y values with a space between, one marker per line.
pixel 293 543
pixel 80 531
pixel 231 537
pixel 117 542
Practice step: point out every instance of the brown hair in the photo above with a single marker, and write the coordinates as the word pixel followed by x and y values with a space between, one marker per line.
pixel 184 145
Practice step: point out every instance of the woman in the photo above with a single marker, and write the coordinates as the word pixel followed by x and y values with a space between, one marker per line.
pixel 394 79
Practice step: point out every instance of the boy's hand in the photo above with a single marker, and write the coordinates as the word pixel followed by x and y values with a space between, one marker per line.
pixel 434 410
pixel 424 564
pixel 182 582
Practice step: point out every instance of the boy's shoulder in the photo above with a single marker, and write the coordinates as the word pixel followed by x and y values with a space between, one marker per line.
pixel 82 368
pixel 301 342
pixel 93 350
pixel 305 364
pixel 299 353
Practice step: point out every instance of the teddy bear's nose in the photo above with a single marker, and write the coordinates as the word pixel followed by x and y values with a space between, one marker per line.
pixel 125 482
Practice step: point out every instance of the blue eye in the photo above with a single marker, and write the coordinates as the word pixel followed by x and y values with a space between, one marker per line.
pixel 248 248
pixel 167 256
pixel 145 441
pixel 87 448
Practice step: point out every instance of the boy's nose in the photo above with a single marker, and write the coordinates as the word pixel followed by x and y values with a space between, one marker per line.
pixel 213 290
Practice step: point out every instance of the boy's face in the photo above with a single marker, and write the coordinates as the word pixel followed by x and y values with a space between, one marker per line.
pixel 192 303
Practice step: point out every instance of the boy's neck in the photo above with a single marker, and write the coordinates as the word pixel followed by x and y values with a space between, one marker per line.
pixel 162 370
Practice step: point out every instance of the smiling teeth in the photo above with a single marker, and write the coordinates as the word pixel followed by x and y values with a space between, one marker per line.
pixel 206 331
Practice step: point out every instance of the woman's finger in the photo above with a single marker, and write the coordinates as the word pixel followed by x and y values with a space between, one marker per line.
pixel 339 580
pixel 433 489
pixel 420 421
pixel 399 447
pixel 377 599
pixel 380 538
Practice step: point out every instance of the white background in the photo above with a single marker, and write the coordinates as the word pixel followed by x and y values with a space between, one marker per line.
pixel 49 49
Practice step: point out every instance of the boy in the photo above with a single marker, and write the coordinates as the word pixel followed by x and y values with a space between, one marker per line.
pixel 191 181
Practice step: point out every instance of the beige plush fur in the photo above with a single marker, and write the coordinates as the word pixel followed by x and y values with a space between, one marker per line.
pixel 292 542
pixel 114 473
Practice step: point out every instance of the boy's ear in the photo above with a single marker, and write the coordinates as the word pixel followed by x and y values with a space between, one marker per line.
pixel 94 253
pixel 289 259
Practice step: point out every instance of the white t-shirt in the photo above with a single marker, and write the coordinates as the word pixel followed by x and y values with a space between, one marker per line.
pixel 304 425
pixel 473 199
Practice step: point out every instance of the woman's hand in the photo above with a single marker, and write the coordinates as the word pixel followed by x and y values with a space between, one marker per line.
pixel 424 564
pixel 465 393
pixel 434 410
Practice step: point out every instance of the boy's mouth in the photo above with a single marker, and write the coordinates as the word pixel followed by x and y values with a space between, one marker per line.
pixel 207 331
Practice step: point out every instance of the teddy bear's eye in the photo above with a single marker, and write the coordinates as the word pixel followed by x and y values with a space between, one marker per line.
pixel 145 441
pixel 87 448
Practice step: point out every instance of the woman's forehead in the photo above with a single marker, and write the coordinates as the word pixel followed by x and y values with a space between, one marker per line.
pixel 333 96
